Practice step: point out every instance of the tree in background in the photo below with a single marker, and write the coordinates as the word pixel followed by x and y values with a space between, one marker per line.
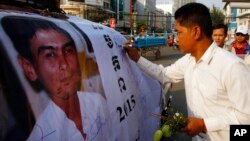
pixel 217 15
pixel 95 16
pixel 141 24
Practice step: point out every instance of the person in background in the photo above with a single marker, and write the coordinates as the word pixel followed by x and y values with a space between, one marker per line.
pixel 216 96
pixel 219 35
pixel 47 53
pixel 240 46
pixel 176 46
pixel 142 33
pixel 170 41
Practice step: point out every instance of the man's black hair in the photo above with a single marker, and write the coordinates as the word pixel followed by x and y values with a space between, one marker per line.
pixel 193 14
pixel 22 29
pixel 221 25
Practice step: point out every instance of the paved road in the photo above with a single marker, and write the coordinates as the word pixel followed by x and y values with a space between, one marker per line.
pixel 168 56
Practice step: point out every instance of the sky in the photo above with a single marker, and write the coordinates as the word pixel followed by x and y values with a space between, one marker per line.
pixel 209 3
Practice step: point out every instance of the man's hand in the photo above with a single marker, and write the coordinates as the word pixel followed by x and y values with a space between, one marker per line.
pixel 194 126
pixel 132 52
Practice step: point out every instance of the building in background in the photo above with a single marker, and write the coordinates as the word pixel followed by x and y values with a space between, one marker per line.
pixel 122 8
pixel 237 13
pixel 169 7
pixel 95 10
pixel 101 11
pixel 146 11
pixel 160 21
pixel 157 15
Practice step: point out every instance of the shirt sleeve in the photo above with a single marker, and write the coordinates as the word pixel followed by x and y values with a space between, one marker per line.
pixel 172 73
pixel 238 90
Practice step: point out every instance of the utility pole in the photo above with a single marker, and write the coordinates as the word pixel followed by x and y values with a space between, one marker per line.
pixel 130 15
pixel 117 11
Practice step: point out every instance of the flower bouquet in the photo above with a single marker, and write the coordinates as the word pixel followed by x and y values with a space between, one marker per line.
pixel 171 122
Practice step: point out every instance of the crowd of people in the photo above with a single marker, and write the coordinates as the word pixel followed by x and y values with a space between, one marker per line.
pixel 239 46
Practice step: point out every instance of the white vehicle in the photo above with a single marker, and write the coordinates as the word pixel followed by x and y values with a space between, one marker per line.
pixel 119 96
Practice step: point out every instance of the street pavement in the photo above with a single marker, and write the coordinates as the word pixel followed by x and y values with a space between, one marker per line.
pixel 168 56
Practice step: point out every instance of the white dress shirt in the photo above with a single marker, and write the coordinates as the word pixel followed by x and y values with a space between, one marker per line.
pixel 217 88
pixel 54 125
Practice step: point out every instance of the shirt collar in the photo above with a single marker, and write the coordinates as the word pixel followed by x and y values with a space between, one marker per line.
pixel 208 55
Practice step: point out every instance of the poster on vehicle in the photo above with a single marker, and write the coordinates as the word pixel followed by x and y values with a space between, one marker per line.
pixel 71 80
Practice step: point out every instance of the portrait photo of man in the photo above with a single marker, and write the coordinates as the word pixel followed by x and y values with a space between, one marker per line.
pixel 48 57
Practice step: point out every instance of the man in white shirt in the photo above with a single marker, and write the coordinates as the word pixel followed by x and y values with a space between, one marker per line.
pixel 216 81
pixel 219 35
pixel 47 53
pixel 54 124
